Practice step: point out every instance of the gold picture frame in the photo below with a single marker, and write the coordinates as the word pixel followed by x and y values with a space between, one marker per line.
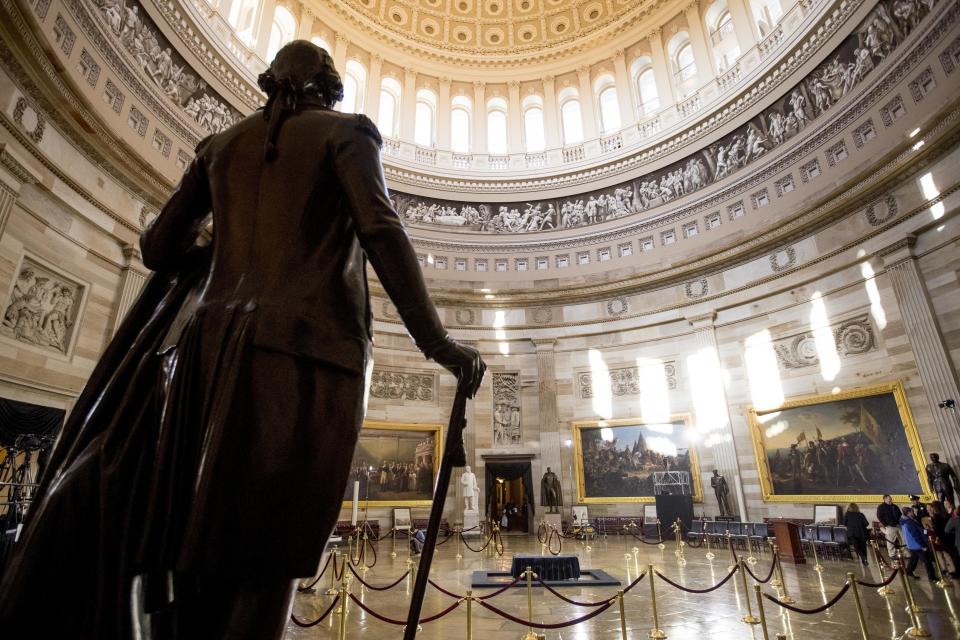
pixel 887 400
pixel 389 443
pixel 581 427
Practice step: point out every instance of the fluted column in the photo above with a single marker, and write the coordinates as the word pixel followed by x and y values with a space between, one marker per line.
pixel 305 25
pixel 548 416
pixel 661 69
pixel 479 118
pixel 551 125
pixel 371 95
pixel 934 365
pixel 628 109
pixel 132 279
pixel 408 105
pixel 265 24
pixel 723 448
pixel 515 115
pixel 587 102
pixel 340 52
pixel 443 115
pixel 7 197
pixel 743 24
pixel 702 51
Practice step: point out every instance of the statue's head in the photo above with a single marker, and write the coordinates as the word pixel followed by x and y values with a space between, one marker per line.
pixel 935 457
pixel 466 469
pixel 548 469
pixel 716 472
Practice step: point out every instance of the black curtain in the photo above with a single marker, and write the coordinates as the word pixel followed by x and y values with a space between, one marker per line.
pixel 510 471
pixel 22 418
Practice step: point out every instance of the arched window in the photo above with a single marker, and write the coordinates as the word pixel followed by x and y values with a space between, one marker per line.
pixel 425 118
pixel 283 30
pixel 388 118
pixel 723 39
pixel 647 90
pixel 609 107
pixel 571 119
pixel 681 54
pixel 242 15
pixel 320 42
pixel 354 82
pixel 497 126
pixel 533 133
pixel 766 13
pixel 460 130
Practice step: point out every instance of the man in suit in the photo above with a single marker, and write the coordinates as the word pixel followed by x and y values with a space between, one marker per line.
pixel 263 370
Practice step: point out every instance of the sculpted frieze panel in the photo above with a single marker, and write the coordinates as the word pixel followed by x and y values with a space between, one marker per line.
pixel 625 381
pixel 849 64
pixel 851 337
pixel 506 409
pixel 388 384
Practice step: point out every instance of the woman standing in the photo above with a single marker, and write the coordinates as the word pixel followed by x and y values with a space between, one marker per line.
pixel 857 527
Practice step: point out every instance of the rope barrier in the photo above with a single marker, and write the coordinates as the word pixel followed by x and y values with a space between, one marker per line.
pixel 481 549
pixel 403 623
pixel 542 533
pixel 320 575
pixel 381 588
pixel 556 625
pixel 773 565
pixel 722 582
pixel 553 533
pixel 486 597
pixel 306 625
pixel 343 567
pixel 587 604
pixel 642 539
pixel 821 609
pixel 878 585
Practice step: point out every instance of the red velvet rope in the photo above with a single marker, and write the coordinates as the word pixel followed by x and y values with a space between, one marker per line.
pixel 376 588
pixel 403 623
pixel 481 549
pixel 568 600
pixel 542 625
pixel 300 623
pixel 689 590
pixel 833 601
pixel 343 567
pixel 644 540
pixel 314 583
pixel 553 532
pixel 773 565
pixel 877 585
pixel 446 537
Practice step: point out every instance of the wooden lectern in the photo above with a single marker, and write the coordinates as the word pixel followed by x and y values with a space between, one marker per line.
pixel 788 541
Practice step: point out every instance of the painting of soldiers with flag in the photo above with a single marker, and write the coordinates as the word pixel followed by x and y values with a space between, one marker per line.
pixel 851 446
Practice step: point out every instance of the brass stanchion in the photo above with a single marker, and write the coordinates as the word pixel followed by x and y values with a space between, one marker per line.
pixel 733 554
pixel 917 630
pixel 393 545
pixel 342 632
pixel 459 534
pixel 660 546
pixel 777 581
pixel 852 579
pixel 656 633
pixel 623 616
pixel 784 595
pixel 944 581
pixel 886 590
pixel 469 615
pixel 364 568
pixel 710 555
pixel 763 616
pixel 530 635
pixel 816 558
pixel 749 618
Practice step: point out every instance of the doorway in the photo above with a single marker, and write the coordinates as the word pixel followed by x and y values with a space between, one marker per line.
pixel 509 493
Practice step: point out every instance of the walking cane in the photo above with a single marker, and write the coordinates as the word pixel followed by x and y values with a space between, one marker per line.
pixel 454 455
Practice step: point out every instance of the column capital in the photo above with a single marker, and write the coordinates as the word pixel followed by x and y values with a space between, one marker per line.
pixel 693 7
pixel 656 34
pixel 131 254
pixel 445 81
pixel 619 53
pixel 376 58
pixel 703 320
pixel 409 71
pixel 513 85
pixel 544 344
pixel 341 38
pixel 583 71
pixel 899 251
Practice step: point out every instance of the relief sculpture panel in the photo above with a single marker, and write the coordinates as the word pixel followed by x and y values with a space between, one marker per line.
pixel 388 384
pixel 506 409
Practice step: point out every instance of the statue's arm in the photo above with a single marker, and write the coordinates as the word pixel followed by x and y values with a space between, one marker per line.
pixel 381 232
pixel 168 240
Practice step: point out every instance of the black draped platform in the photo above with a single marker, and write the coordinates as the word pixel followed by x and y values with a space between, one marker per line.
pixel 547 567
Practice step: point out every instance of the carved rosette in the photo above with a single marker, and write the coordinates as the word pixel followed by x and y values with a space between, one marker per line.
pixel 852 337
pixel 624 381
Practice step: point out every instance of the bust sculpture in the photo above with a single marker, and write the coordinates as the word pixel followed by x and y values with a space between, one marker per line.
pixel 470 489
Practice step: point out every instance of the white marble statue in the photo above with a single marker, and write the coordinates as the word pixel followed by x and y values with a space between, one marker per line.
pixel 470 489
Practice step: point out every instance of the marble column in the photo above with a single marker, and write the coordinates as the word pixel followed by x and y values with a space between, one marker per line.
pixel 661 69
pixel 744 25
pixel 934 365
pixel 551 125
pixel 720 439
pixel 7 197
pixel 408 105
pixel 479 118
pixel 625 91
pixel 702 51
pixel 548 418
pixel 515 118
pixel 340 52
pixel 371 94
pixel 443 114
pixel 587 105
pixel 132 279
pixel 305 25
pixel 264 26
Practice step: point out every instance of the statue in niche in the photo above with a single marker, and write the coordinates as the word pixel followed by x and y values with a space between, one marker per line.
pixel 470 489
pixel 942 478
pixel 722 492
pixel 551 495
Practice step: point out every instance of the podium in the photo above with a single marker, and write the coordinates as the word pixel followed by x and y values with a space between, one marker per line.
pixel 788 541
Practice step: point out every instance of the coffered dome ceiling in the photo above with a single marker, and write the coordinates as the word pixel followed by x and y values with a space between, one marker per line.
pixel 503 28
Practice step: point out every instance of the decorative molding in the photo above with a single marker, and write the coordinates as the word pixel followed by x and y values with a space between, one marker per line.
pixel 14 166
pixel 696 288
pixel 393 384
pixel 625 381
pixel 876 219
pixel 23 109
pixel 618 306
pixel 791 261
pixel 465 316
pixel 851 337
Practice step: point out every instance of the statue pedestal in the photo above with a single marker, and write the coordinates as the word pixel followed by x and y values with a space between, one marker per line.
pixel 471 521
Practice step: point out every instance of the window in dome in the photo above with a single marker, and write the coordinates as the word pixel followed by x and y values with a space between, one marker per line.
pixel 647 90
pixel 480 265
pixel 736 210
pixel 609 110
pixel 691 229
pixel 424 118
pixel 497 126
pixel 533 129
pixel 521 264
pixel 767 14
pixel 543 263
pixel 440 263
pixel 712 221
pixel 354 80
pixel 242 15
pixel 501 265
pixel 388 118
pixel 572 121
pixel 283 30
pixel 668 237
pixel 684 63
pixel 603 254
pixel 760 199
pixel 646 244
pixel 460 264
pixel 460 124
pixel 583 257
pixel 563 261
pixel 625 249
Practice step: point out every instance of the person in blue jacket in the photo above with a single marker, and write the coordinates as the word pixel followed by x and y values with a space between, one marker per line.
pixel 917 543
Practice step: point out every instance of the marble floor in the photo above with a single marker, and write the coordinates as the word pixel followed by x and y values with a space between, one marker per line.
pixel 715 615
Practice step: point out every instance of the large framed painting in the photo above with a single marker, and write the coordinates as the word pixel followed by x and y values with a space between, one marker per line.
pixel 844 447
pixel 396 464
pixel 617 461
